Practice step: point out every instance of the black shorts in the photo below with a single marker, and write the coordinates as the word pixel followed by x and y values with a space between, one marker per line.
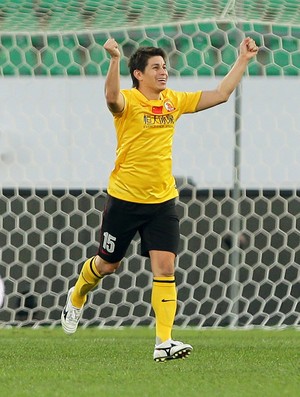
pixel 157 224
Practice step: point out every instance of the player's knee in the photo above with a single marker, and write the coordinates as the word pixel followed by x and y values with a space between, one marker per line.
pixel 167 272
pixel 164 269
pixel 106 268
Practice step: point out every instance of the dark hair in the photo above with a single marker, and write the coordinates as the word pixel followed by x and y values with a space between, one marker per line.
pixel 139 60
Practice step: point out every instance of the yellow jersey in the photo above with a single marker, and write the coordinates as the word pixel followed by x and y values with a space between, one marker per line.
pixel 145 130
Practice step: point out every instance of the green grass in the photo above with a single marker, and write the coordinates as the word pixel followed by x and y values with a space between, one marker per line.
pixel 118 363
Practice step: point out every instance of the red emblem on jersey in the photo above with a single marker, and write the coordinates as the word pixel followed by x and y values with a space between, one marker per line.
pixel 169 106
pixel 157 109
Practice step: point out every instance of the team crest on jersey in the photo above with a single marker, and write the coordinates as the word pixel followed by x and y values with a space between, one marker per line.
pixel 169 105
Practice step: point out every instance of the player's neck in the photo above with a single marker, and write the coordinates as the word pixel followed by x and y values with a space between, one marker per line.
pixel 151 95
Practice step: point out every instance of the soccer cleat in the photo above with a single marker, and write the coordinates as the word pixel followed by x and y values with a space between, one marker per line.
pixel 171 349
pixel 70 315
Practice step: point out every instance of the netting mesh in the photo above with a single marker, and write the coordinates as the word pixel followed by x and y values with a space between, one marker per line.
pixel 71 15
pixel 239 253
pixel 194 49
pixel 46 235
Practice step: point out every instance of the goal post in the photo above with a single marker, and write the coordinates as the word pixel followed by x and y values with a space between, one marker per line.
pixel 237 166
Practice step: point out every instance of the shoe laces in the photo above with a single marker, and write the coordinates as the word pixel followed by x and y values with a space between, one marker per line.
pixel 74 314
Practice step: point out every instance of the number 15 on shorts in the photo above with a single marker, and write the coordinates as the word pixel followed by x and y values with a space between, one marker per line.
pixel 108 242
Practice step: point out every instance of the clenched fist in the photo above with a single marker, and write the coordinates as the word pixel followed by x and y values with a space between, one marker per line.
pixel 111 46
pixel 248 48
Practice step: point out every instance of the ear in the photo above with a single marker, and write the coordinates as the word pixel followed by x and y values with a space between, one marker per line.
pixel 138 74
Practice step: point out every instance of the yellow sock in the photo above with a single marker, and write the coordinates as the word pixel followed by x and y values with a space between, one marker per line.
pixel 164 303
pixel 88 278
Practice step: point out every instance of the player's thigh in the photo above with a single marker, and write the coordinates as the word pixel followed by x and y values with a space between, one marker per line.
pixel 162 231
pixel 117 230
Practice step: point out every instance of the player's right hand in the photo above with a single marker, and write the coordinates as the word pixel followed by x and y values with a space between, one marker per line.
pixel 111 46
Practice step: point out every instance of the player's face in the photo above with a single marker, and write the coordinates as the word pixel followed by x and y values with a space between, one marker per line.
pixel 155 75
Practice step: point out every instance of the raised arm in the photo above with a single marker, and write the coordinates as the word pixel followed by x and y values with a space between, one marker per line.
pixel 114 99
pixel 208 99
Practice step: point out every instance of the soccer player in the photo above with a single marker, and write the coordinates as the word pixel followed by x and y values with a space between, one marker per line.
pixel 141 191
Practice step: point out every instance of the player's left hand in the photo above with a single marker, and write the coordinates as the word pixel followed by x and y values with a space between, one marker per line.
pixel 248 48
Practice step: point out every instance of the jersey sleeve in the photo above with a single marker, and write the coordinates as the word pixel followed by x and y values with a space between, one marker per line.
pixel 188 101
pixel 120 114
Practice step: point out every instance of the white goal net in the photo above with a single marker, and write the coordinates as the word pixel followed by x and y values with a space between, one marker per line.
pixel 237 166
